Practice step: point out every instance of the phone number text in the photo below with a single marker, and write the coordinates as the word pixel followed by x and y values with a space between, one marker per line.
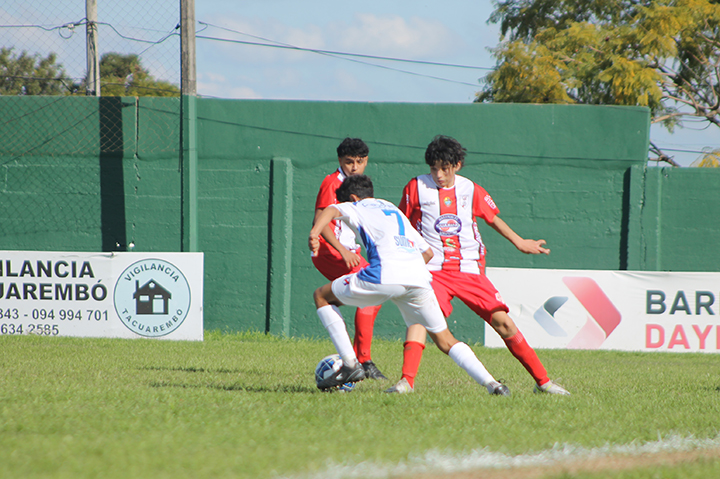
pixel 47 320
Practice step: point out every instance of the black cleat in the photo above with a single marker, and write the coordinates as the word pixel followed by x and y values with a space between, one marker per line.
pixel 371 371
pixel 498 389
pixel 346 374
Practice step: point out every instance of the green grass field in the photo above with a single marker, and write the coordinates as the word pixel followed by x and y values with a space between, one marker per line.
pixel 246 406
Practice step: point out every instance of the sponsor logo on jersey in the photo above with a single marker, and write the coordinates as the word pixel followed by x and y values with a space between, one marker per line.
pixel 405 244
pixel 490 202
pixel 449 245
pixel 448 225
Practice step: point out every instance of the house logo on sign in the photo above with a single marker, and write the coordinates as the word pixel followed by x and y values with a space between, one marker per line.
pixel 152 297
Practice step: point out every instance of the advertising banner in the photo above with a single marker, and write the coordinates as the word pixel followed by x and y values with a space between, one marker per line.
pixel 114 295
pixel 622 310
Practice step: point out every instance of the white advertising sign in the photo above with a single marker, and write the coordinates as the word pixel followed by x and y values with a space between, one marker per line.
pixel 622 310
pixel 116 295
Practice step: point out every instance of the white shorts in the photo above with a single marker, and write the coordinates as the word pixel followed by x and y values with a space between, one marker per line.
pixel 417 305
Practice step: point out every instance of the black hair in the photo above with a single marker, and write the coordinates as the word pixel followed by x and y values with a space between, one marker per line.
pixel 359 185
pixel 445 150
pixel 353 147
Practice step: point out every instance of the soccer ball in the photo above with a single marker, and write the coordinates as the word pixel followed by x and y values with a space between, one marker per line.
pixel 328 366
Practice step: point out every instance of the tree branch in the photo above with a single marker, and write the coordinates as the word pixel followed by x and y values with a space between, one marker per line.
pixel 661 156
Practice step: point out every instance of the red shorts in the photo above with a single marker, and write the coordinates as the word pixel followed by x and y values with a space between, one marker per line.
pixel 332 266
pixel 475 290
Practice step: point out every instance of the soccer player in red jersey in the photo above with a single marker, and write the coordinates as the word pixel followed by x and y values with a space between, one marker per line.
pixel 443 207
pixel 339 253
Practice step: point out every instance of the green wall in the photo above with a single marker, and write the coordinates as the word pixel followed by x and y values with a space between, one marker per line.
pixel 100 175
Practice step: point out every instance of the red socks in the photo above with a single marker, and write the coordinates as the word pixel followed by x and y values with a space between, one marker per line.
pixel 364 322
pixel 527 357
pixel 412 354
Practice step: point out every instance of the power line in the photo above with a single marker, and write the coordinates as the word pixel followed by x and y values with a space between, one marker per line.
pixel 343 55
pixel 72 25
pixel 682 151
pixel 203 37
pixel 331 52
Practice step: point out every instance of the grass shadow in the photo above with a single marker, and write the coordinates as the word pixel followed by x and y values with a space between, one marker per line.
pixel 191 369
pixel 280 388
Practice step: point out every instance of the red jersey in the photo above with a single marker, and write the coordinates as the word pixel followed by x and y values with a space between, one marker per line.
pixel 446 219
pixel 326 197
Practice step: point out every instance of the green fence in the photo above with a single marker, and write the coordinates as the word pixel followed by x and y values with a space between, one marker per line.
pixel 87 174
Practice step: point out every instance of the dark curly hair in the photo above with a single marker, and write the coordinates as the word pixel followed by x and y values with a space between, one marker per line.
pixel 445 150
pixel 359 185
pixel 353 147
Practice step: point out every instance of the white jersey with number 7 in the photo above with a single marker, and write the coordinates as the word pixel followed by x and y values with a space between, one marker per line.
pixel 394 249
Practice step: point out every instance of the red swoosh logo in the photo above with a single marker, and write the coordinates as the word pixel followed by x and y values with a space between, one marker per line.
pixel 604 315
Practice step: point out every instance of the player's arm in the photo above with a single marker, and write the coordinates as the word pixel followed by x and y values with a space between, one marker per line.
pixel 351 259
pixel 322 220
pixel 527 246
pixel 427 255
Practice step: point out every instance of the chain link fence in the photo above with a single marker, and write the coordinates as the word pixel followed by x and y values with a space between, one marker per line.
pixel 53 132
pixel 53 34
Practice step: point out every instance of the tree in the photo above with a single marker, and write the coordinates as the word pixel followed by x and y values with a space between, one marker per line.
pixel 26 74
pixel 663 54
pixel 710 159
pixel 124 75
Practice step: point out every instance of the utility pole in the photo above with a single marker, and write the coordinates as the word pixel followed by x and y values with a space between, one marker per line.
pixel 92 88
pixel 187 47
pixel 188 132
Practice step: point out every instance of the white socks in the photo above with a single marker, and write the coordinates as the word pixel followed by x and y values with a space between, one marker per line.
pixel 466 359
pixel 333 321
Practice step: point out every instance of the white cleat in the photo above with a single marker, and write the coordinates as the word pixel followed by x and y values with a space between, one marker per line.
pixel 551 388
pixel 498 389
pixel 402 387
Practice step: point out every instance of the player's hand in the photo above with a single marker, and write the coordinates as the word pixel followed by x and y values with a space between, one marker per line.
pixel 530 246
pixel 351 259
pixel 313 244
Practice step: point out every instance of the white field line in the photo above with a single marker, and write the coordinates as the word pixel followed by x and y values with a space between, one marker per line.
pixel 436 462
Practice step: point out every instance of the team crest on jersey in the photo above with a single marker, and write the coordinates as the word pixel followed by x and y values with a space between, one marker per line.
pixel 448 225
pixel 447 200
pixel 464 201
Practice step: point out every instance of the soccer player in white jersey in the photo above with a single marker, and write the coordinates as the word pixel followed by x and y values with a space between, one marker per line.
pixel 396 271
pixel 443 206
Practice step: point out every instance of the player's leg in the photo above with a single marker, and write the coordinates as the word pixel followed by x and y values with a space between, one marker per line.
pixel 420 306
pixel 480 295
pixel 327 309
pixel 415 337
pixel 352 291
pixel 332 266
pixel 364 325
pixel 412 354
pixel 518 346
pixel 503 324
pixel 464 357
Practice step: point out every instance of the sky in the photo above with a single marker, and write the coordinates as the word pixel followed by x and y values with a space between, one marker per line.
pixel 452 32
pixel 445 46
